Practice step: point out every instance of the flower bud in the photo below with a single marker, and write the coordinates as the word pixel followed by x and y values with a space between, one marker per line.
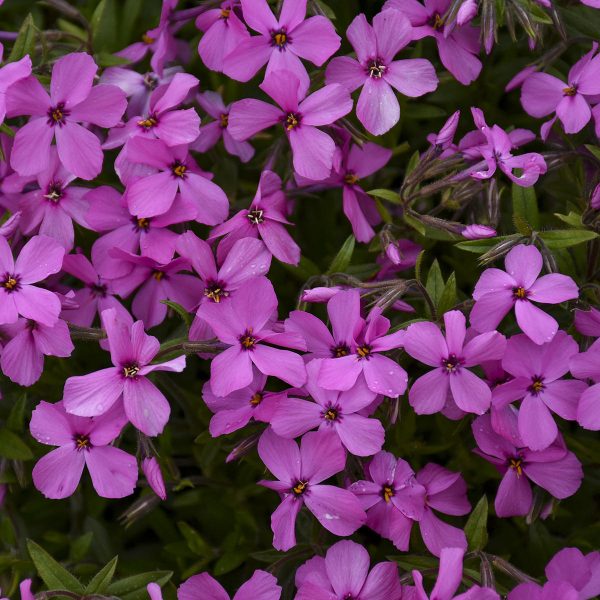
pixel 155 479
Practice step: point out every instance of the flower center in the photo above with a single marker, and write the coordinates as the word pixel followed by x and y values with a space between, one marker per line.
pixel 131 370
pixel 363 351
pixel 256 399
pixel 292 121
pixel 340 350
pixel 150 81
pixel 256 216
pixel 225 12
pixel 141 223
pixel 570 91
pixel 147 39
pixel 54 192
pixel 519 293
pixel 516 464
pixel 247 340
pixel 376 69
pixel 98 289
pixel 437 22
pixel 300 488
pixel 56 115
pixel 331 413
pixel 351 179
pixel 451 363
pixel 158 275
pixel 149 122
pixel 82 442
pixel 215 292
pixel 537 385
pixel 10 283
pixel 223 120
pixel 178 169
pixel 280 38
pixel 387 492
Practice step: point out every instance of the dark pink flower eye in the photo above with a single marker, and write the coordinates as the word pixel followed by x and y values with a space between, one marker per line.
pixel 82 442
pixel 280 38
pixel 10 282
pixel 131 371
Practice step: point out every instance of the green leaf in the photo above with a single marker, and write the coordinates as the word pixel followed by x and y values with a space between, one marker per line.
pixel 80 547
pixel 415 224
pixel 16 417
pixel 594 150
pixel 388 195
pixel 134 587
pixel 229 561
pixel 7 129
pixel 304 270
pixel 435 282
pixel 565 238
pixel 383 211
pixel 413 162
pixel 54 575
pixel 25 42
pixel 525 205
pixel 106 59
pixel 423 111
pixel 99 582
pixel 418 265
pixel 12 446
pixel 342 259
pixel 180 310
pixel 104 26
pixel 448 297
pixel 481 246
pixel 476 526
pixel 194 540
pixel 325 9
pixel 573 219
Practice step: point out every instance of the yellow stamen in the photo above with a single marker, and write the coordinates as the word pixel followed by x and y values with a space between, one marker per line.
pixel 131 371
pixel 256 399
pixel 10 283
pixel 147 123
pixel 388 493
pixel 351 179
pixel 515 463
pixel 224 120
pixel 300 487
pixel 147 39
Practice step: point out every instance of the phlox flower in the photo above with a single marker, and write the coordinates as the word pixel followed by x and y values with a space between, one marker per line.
pixel 108 213
pixel 131 351
pixel 543 94
pixel 173 170
pixel 41 256
pixel 154 477
pixel 299 115
pixel 587 322
pixel 72 100
pixel 554 469
pixel 344 573
pixel 281 42
pixel 299 473
pixel 244 325
pixel 458 44
pixel 81 442
pixel 330 410
pixel 451 357
pixel 22 358
pixel 212 132
pixel 261 586
pixel 391 497
pixel 360 353
pixel 449 579
pixel 223 32
pixel 520 286
pixel 537 372
pixel 377 72
pixel 264 219
pixel 10 73
pixel 586 365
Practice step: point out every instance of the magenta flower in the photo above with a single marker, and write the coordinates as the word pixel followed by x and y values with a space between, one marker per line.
pixel 244 325
pixel 477 232
pixel 41 256
pixel 554 469
pixel 377 71
pixel 261 586
pixel 537 371
pixel 131 351
pixel 51 209
pixel 496 154
pixel 391 497
pixel 543 94
pixel 72 100
pixel 154 477
pixel 156 281
pixel 234 411
pixel 264 219
pixel 150 236
pixel 331 410
pixel 553 590
pixel 458 45
pixel 587 366
pixel 282 42
pixel 211 133
pixel 344 573
pixel 449 579
pixel 360 354
pixel 451 356
pixel 498 291
pixel 81 441
pixel 161 120
pixel 299 115
pixel 223 32
pixel 22 359
pixel 299 473
pixel 10 73
pixel 587 322
pixel 174 171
